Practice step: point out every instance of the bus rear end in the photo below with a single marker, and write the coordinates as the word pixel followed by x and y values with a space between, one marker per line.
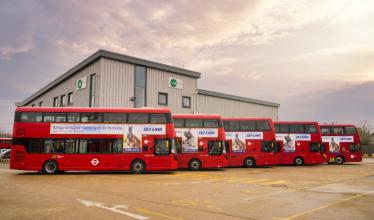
pixel 299 143
pixel 342 143
pixel 200 141
pixel 250 142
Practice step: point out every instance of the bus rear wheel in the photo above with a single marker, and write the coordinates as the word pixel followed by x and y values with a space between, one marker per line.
pixel 137 167
pixel 50 167
pixel 195 164
pixel 249 162
pixel 339 160
pixel 299 161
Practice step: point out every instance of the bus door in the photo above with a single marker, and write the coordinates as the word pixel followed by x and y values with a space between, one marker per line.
pixel 157 150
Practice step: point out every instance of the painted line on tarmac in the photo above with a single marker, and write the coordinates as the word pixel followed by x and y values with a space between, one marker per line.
pixel 185 202
pixel 158 214
pixel 112 209
pixel 172 183
pixel 325 206
pixel 256 181
pixel 276 182
pixel 238 179
pixel 266 195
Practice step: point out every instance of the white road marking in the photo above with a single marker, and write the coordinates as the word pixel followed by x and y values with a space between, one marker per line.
pixel 172 183
pixel 198 182
pixel 112 209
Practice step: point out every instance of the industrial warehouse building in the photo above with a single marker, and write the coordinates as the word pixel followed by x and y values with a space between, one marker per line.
pixel 107 79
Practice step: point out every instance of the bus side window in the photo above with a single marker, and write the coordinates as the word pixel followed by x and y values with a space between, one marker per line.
pixel 71 146
pixel 82 146
pixel 178 144
pixel 49 146
pixel 338 130
pixel 59 146
pixel 279 148
pixel 117 145
pixel 35 146
pixel 324 146
pixel 227 146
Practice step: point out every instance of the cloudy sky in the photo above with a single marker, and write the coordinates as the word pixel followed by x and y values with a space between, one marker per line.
pixel 315 58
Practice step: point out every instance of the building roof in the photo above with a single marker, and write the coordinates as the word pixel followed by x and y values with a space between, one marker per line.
pixel 114 56
pixel 236 98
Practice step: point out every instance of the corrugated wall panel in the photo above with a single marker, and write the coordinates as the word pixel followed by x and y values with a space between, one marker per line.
pixel 117 85
pixel 81 97
pixel 232 108
pixel 157 81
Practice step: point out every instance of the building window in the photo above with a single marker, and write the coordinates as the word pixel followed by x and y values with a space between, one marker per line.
pixel 186 102
pixel 63 100
pixel 162 98
pixel 40 104
pixel 92 90
pixel 55 101
pixel 70 98
pixel 140 86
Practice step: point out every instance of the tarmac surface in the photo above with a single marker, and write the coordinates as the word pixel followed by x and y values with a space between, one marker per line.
pixel 281 192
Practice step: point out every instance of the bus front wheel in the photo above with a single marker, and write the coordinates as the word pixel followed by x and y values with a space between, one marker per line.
pixel 50 167
pixel 137 167
pixel 299 161
pixel 249 162
pixel 339 160
pixel 195 164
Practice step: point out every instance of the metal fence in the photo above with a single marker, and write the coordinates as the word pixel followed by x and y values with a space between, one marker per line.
pixel 369 149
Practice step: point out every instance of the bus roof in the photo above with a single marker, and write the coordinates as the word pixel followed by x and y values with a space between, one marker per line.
pixel 295 122
pixel 93 110
pixel 247 119
pixel 197 116
pixel 337 125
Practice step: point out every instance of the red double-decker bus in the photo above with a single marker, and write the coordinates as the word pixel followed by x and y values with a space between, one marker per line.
pixel 250 142
pixel 298 143
pixel 200 141
pixel 61 139
pixel 342 143
pixel 5 143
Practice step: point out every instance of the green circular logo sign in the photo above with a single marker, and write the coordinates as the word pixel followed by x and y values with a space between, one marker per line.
pixel 173 83
pixel 79 84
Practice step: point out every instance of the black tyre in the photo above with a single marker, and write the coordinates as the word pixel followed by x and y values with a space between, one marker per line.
pixel 299 161
pixel 195 164
pixel 249 162
pixel 339 160
pixel 50 167
pixel 137 167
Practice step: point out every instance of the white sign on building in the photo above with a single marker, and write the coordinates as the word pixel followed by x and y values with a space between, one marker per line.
pixel 81 83
pixel 175 83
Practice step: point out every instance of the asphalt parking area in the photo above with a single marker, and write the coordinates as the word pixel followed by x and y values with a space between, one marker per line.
pixel 285 192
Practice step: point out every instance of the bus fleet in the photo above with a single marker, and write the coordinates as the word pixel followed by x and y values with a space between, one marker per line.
pixel 54 140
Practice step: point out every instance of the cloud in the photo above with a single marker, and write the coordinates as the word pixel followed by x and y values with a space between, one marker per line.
pixel 348 104
pixel 241 47
pixel 6 52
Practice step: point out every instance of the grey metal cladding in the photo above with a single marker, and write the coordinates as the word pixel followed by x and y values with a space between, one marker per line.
pixel 236 98
pixel 113 56
pixel 61 78
pixel 147 63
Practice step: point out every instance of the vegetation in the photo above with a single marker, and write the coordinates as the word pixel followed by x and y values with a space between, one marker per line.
pixel 365 131
pixel 4 134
